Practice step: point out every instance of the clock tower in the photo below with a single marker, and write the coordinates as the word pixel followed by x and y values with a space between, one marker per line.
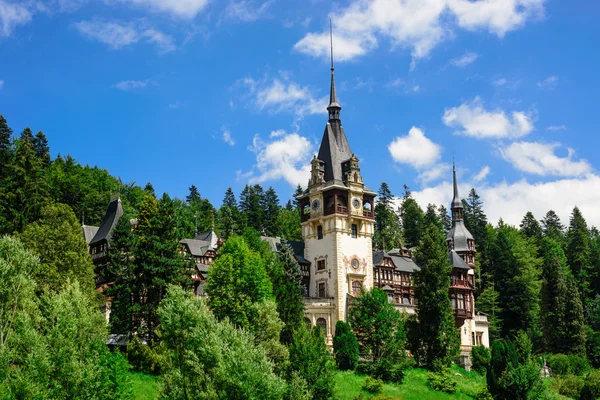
pixel 337 215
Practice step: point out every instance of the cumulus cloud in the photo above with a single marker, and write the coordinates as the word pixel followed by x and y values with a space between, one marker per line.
pixel 247 11
pixel 187 9
pixel 130 85
pixel 464 60
pixel 227 138
pixel 485 171
pixel 434 173
pixel 510 201
pixel 419 25
pixel 118 35
pixel 283 156
pixel 474 120
pixel 278 95
pixel 540 159
pixel 414 149
pixel 1 84
pixel 11 16
pixel 548 83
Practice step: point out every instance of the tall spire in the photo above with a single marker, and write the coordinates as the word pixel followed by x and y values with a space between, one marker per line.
pixel 457 205
pixel 333 108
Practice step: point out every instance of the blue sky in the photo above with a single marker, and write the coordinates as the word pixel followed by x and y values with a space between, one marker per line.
pixel 222 93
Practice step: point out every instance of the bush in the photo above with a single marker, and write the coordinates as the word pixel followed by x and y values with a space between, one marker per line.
pixel 562 364
pixel 569 385
pixel 483 394
pixel 372 385
pixel 442 381
pixel 345 347
pixel 384 369
pixel 480 359
pixel 591 387
pixel 579 365
pixel 145 358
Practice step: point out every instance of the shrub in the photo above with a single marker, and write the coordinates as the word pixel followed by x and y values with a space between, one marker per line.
pixel 442 381
pixel 569 385
pixel 578 365
pixel 372 385
pixel 480 359
pixel 591 387
pixel 483 394
pixel 559 364
pixel 345 347
pixel 145 358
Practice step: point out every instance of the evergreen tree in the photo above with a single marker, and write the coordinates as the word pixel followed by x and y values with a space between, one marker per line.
pixel 445 218
pixel 412 222
pixel 434 312
pixel 251 206
pixel 387 223
pixel 194 195
pixel 552 227
pixel 578 252
pixel 531 228
pixel 431 217
pixel 228 216
pixel 345 347
pixel 289 224
pixel 475 218
pixel 56 238
pixel 149 189
pixel 5 147
pixel 298 192
pixel 237 279
pixel 310 358
pixel 487 302
pixel 271 210
pixel 595 261
pixel 288 290
pixel 42 150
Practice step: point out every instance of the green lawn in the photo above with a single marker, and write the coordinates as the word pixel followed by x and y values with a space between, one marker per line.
pixel 145 387
pixel 414 387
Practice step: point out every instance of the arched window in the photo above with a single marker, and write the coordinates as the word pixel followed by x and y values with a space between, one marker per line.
pixel 319 232
pixel 307 322
pixel 356 286
pixel 321 323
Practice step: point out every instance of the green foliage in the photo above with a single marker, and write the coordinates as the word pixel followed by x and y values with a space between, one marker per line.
pixel 310 358
pixel 578 252
pixel 442 381
pixel 531 228
pixel 483 394
pixel 287 287
pixel 552 227
pixel 436 326
pixel 412 222
pixel 372 385
pixel 591 387
pixel 237 280
pixel 288 222
pixel 488 303
pixel 146 358
pixel 480 358
pixel 387 223
pixel 267 328
pixel 208 358
pixel 475 218
pixel 345 347
pixel 569 386
pixel 563 364
pixel 56 238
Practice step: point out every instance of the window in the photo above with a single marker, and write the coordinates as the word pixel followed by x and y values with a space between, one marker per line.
pixel 354 231
pixel 319 232
pixel 356 286
pixel 321 323
pixel 320 265
pixel 405 299
pixel 307 322
pixel 478 338
pixel 453 300
pixel 322 292
pixel 461 301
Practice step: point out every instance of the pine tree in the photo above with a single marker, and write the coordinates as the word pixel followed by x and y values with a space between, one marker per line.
pixel 271 211
pixel 345 347
pixel 251 206
pixel 289 292
pixel 475 218
pixel 149 189
pixel 194 195
pixel 289 224
pixel 487 302
pixel 434 312
pixel 412 222
pixel 431 217
pixel 228 216
pixel 387 223
pixel 444 218
pixel 531 228
pixel 552 227
pixel 5 146
pixel 578 252
pixel 298 192
pixel 42 150
pixel 6 160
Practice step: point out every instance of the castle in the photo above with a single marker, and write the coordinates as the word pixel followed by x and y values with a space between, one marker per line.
pixel 336 255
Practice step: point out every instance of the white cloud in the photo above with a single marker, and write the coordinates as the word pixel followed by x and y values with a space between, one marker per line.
pixel 510 201
pixel 539 158
pixel 11 16
pixel 286 156
pixel 247 11
pixel 416 24
pixel 118 35
pixel 278 95
pixel 475 121
pixel 500 82
pixel 187 9
pixel 464 60
pixel 485 171
pixel 175 105
pixel 548 83
pixel 227 138
pixel 434 173
pixel 414 149
pixel 129 85
pixel 555 128
pixel 407 88
pixel 1 84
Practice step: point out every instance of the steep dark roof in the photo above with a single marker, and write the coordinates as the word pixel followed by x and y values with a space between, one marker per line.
pixel 459 234
pixel 197 248
pixel 457 261
pixel 210 237
pixel 456 201
pixel 113 213
pixel 334 151
pixel 402 264
pixel 89 232
pixel 296 246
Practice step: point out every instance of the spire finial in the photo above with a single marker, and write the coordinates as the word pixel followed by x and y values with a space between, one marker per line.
pixel 334 107
pixel 331 42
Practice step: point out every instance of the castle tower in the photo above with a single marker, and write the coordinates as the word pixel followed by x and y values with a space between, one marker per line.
pixel 337 226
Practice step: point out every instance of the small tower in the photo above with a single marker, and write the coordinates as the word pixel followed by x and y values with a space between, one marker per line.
pixel 337 226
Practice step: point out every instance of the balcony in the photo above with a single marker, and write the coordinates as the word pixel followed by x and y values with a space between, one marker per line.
pixel 462 313
pixel 368 214
pixel 460 283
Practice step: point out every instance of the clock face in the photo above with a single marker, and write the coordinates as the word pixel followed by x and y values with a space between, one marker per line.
pixel 356 203
pixel 355 264
pixel 315 205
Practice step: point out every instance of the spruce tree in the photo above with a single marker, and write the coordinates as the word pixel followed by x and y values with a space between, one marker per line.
pixel 445 218
pixel 345 347
pixel 271 210
pixel 298 192
pixel 531 228
pixel 412 222
pixel 552 227
pixel 387 224
pixel 288 290
pixel 431 217
pixel 42 150
pixel 578 252
pixel 434 312
pixel 475 218
pixel 251 206
pixel 194 195
pixel 5 146
pixel 228 216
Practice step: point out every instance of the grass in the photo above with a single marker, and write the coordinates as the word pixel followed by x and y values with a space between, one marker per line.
pixel 145 387
pixel 414 387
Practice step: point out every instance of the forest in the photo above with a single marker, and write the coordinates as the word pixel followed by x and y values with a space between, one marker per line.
pixel 538 284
